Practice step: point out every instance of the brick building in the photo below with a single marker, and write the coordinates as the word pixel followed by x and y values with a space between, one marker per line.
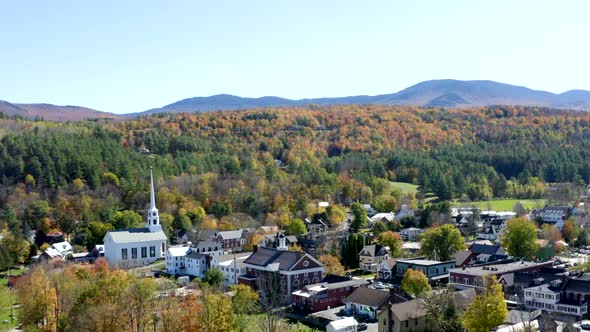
pixel 472 277
pixel 318 297
pixel 281 271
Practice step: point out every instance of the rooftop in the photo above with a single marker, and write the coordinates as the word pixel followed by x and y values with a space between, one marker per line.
pixel 497 268
pixel 136 235
pixel 368 296
pixel 424 262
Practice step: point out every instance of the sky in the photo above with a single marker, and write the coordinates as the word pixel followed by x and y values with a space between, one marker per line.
pixel 130 56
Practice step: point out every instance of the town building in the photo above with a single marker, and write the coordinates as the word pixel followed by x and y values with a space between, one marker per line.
pixel 371 256
pixel 183 261
pixel 280 271
pixel 367 302
pixel 412 316
pixel 59 250
pixel 231 266
pixel 231 241
pixel 434 270
pixel 318 297
pixel 383 217
pixel 272 240
pixel 207 247
pixel 137 246
pixel 386 270
pixel 472 277
pixel 555 215
pixel 411 234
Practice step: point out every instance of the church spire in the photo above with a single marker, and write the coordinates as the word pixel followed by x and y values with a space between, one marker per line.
pixel 152 194
pixel 153 219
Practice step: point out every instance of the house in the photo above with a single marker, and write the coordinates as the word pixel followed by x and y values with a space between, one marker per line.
pixel 411 234
pixel 383 217
pixel 280 271
pixel 137 246
pixel 315 227
pixel 231 241
pixel 386 270
pixel 411 316
pixel 569 297
pixel 463 258
pixel 555 215
pixel 347 324
pixel 59 250
pixel 369 210
pixel 371 256
pixel 272 240
pixel 207 247
pixel 231 266
pixel 434 270
pixel 472 277
pixel 404 211
pixel 184 261
pixel 318 297
pixel 486 253
pixel 367 302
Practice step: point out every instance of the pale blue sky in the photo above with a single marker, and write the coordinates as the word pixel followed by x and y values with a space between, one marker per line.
pixel 129 56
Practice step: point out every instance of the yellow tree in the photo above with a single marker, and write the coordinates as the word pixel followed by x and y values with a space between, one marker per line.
pixel 332 264
pixel 415 282
pixel 391 240
pixel 488 309
pixel 217 314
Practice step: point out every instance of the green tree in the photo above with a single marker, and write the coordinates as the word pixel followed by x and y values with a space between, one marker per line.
pixel 415 282
pixel 582 239
pixel 214 277
pixel 520 237
pixel 488 309
pixel 393 241
pixel 244 303
pixel 297 227
pixel 221 209
pixel 126 219
pixel 16 249
pixel 442 242
pixel 217 314
pixel 359 217
pixel 379 228
pixel 570 231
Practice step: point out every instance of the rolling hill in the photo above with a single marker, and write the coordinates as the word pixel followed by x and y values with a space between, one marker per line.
pixel 53 112
pixel 439 93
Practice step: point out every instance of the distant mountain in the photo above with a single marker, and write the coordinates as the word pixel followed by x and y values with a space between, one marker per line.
pixel 53 112
pixel 440 93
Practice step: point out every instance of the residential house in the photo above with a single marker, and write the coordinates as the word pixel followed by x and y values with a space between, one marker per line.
pixel 272 240
pixel 369 210
pixel 281 271
pixel 487 253
pixel 371 256
pixel 555 215
pixel 208 247
pixel 315 227
pixel 569 297
pixel 434 270
pixel 318 297
pixel 411 234
pixel 59 250
pixel 383 217
pixel 404 211
pixel 386 270
pixel 368 302
pixel 411 316
pixel 231 266
pixel 231 241
pixel 472 277
pixel 137 246
pixel 184 261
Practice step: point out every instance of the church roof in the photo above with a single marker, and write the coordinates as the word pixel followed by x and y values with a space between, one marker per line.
pixel 136 235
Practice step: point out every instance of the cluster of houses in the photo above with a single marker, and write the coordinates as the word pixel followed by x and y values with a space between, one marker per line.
pixel 299 279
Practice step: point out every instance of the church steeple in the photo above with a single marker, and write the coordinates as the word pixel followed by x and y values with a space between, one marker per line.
pixel 153 219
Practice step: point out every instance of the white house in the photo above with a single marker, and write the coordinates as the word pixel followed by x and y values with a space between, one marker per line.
pixel 383 217
pixel 404 211
pixel 58 250
pixel 411 234
pixel 185 261
pixel 137 246
pixel 231 265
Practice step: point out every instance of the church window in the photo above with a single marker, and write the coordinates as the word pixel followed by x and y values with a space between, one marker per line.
pixel 143 252
pixel 153 251
pixel 124 253
pixel 133 253
pixel 163 247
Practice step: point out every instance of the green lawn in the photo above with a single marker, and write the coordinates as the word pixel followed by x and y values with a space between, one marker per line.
pixel 5 297
pixel 404 187
pixel 503 204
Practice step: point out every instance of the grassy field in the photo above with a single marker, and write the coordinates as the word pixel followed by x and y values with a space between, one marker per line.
pixel 5 298
pixel 503 204
pixel 404 187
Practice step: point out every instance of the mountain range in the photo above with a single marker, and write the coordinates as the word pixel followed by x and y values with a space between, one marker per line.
pixel 436 93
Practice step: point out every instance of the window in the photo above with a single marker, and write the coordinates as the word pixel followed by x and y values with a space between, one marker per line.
pixel 163 247
pixel 153 251
pixel 124 253
pixel 133 253
pixel 143 252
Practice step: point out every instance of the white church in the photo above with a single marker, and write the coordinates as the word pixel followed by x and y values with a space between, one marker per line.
pixel 132 247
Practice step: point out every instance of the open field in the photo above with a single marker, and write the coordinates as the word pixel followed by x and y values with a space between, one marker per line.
pixel 503 204
pixel 404 187
pixel 5 299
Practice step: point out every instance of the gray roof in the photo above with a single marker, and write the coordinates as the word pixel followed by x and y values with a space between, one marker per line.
pixel 226 235
pixel 479 248
pixel 265 256
pixel 225 258
pixel 373 250
pixel 368 296
pixel 415 309
pixel 497 269
pixel 136 235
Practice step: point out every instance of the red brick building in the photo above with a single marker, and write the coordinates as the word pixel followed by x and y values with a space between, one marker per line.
pixel 231 240
pixel 318 297
pixel 281 271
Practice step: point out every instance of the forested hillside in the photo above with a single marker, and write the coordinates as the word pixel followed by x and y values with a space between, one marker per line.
pixel 267 165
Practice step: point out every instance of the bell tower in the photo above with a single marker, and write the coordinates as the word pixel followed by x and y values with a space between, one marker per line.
pixel 153 219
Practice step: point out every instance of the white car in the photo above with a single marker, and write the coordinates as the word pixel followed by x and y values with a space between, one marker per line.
pixel 584 325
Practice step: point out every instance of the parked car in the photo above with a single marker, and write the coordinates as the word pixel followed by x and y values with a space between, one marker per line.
pixel 361 327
